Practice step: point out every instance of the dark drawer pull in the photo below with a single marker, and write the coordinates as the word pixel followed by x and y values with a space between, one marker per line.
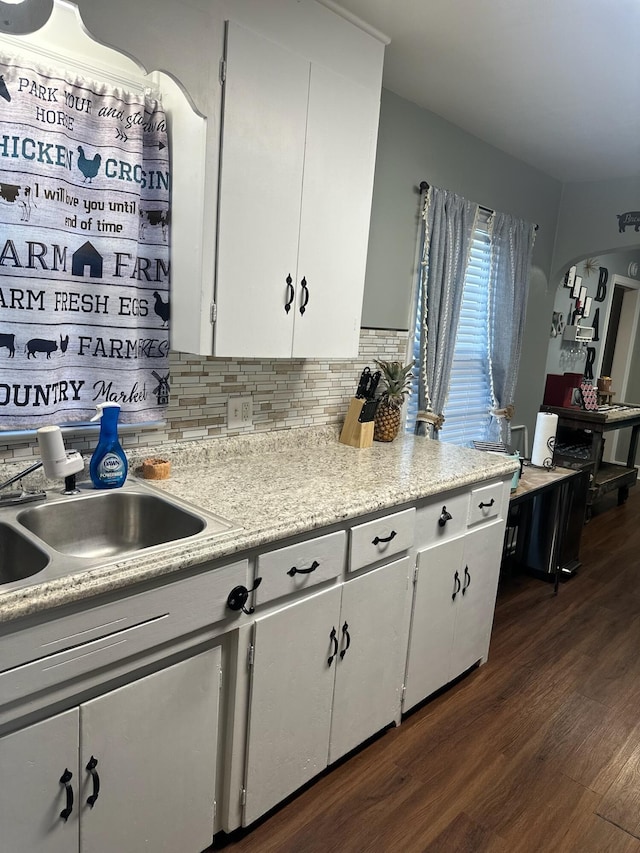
pixel 305 295
pixel 91 768
pixel 482 505
pixel 65 780
pixel 456 585
pixel 444 517
pixel 295 571
pixel 388 538
pixel 333 638
pixel 467 579
pixel 290 294
pixel 347 636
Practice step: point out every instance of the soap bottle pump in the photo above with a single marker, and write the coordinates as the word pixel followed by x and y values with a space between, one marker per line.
pixel 108 467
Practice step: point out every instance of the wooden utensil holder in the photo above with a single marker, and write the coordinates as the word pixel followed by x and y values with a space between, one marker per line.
pixel 354 433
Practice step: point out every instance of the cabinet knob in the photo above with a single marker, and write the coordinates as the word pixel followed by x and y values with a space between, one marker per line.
pixel 238 596
pixel 444 517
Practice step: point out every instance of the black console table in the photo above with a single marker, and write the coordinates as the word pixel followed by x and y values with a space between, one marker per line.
pixel 580 441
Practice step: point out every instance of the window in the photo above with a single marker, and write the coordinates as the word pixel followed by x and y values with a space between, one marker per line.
pixel 469 401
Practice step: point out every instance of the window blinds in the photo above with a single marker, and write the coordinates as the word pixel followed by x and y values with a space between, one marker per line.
pixel 469 401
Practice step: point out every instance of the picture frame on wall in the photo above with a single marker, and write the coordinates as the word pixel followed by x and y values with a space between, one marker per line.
pixel 577 284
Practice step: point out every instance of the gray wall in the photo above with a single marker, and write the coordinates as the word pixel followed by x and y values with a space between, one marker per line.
pixel 416 145
pixel 588 220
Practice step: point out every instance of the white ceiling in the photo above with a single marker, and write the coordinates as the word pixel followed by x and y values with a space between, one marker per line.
pixel 555 83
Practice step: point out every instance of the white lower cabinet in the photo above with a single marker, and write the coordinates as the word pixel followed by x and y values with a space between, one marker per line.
pixel 147 750
pixel 454 600
pixel 326 675
pixel 33 762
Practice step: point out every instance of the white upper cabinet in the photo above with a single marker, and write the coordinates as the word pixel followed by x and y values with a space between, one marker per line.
pixel 262 159
pixel 298 132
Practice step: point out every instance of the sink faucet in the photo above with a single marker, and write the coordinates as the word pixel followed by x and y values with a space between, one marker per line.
pixel 22 496
pixel 56 461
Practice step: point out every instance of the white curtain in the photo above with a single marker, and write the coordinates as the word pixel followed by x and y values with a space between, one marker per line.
pixel 512 242
pixel 449 223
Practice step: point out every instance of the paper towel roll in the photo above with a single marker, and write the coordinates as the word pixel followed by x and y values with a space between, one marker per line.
pixel 544 439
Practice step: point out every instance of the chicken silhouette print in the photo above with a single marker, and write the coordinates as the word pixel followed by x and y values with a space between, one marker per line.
pixel 161 308
pixel 89 168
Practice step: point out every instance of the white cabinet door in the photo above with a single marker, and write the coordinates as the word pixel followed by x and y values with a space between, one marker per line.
pixel 262 156
pixel 32 762
pixel 453 605
pixel 476 603
pixel 433 619
pixel 294 662
pixel 296 179
pixel 370 666
pixel 336 206
pixel 155 742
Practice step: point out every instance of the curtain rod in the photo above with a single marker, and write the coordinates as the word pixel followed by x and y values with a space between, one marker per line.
pixel 424 186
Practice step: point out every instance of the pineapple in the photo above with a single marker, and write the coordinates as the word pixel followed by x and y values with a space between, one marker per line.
pixel 397 378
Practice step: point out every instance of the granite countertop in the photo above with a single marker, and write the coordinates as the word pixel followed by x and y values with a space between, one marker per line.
pixel 271 487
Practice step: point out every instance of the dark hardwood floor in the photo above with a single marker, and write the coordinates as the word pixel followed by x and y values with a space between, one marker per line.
pixel 538 750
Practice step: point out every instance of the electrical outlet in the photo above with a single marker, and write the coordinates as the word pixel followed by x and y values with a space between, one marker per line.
pixel 239 412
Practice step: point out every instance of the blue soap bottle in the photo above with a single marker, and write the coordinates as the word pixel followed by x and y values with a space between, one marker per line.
pixel 108 467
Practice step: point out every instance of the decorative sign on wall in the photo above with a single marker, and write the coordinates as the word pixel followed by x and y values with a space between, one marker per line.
pixel 84 249
pixel 631 219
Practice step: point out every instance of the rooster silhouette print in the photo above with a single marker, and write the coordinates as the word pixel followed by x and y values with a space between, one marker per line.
pixel 4 92
pixel 161 308
pixel 89 168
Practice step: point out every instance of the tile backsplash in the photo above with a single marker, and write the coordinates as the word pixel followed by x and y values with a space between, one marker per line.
pixel 286 394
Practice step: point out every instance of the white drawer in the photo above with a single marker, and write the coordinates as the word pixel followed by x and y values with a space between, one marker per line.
pixel 39 658
pixel 382 538
pixel 300 566
pixel 151 617
pixel 443 518
pixel 485 503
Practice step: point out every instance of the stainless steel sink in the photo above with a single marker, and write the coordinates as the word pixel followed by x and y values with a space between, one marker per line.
pixel 69 534
pixel 19 557
pixel 107 524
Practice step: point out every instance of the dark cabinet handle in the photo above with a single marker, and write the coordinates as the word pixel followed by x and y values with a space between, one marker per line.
pixel 91 768
pixel 482 505
pixel 457 585
pixel 295 571
pixel 305 295
pixel 333 637
pixel 238 596
pixel 290 294
pixel 345 633
pixel 388 538
pixel 65 780
pixel 467 580
pixel 444 517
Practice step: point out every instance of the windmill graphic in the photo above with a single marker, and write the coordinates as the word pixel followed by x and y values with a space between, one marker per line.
pixel 162 388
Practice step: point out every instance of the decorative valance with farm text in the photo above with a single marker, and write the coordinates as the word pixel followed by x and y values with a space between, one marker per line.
pixel 84 249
